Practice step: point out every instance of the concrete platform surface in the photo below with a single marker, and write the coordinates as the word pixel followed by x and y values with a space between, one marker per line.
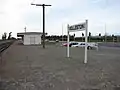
pixel 35 68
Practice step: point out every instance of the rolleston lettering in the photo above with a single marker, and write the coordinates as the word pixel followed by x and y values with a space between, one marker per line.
pixel 77 27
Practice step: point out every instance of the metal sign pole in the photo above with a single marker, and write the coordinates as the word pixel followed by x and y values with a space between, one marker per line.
pixel 86 37
pixel 68 40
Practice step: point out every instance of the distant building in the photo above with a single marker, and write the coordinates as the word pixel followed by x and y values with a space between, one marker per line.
pixel 30 38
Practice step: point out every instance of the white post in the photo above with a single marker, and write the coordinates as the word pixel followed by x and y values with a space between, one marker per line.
pixel 86 37
pixel 68 40
pixel 62 32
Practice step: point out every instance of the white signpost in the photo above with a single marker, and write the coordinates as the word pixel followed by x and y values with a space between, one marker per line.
pixel 74 28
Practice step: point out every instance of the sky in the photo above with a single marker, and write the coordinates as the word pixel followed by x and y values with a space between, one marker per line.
pixel 16 14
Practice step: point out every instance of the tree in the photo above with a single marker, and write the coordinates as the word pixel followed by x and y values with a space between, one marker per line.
pixel 113 37
pixel 99 34
pixel 4 36
pixel 89 36
pixel 9 37
pixel 82 36
pixel 74 36
pixel 100 37
pixel 89 33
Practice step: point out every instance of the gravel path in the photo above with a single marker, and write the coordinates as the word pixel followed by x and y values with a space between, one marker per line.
pixel 35 68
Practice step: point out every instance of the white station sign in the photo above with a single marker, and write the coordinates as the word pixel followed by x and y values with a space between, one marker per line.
pixel 77 27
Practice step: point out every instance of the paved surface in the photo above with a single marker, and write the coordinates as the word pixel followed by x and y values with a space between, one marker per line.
pixel 110 44
pixel 34 68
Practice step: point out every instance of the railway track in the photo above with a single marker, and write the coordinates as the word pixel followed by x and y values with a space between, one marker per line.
pixel 4 45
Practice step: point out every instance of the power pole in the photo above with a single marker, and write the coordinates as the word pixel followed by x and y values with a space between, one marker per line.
pixel 62 32
pixel 25 29
pixel 43 6
pixel 105 34
pixel 43 25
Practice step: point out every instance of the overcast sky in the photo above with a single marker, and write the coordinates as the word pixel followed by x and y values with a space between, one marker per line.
pixel 16 14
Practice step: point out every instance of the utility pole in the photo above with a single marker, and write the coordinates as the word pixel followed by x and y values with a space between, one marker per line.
pixel 105 34
pixel 62 32
pixel 25 29
pixel 43 6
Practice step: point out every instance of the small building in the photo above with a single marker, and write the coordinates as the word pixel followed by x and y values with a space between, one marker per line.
pixel 30 38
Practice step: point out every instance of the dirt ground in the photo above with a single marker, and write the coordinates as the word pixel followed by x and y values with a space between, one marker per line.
pixel 35 68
